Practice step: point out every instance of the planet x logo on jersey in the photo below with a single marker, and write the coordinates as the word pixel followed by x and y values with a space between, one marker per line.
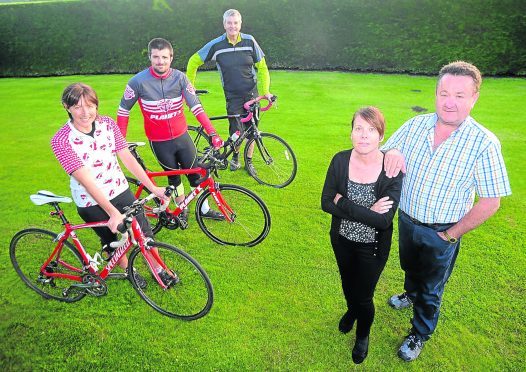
pixel 165 104
pixel 128 93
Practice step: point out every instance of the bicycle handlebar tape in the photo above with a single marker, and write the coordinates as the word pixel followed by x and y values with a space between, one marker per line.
pixel 122 228
pixel 169 190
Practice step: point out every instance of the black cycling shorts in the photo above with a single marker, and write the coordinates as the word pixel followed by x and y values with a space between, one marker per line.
pixel 95 214
pixel 234 106
pixel 177 153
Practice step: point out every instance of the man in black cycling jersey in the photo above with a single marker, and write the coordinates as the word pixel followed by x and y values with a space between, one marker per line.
pixel 161 91
pixel 237 57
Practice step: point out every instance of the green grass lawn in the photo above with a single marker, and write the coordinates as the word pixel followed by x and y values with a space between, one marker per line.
pixel 277 305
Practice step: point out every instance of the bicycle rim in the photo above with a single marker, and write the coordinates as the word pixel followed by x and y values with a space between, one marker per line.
pixel 200 139
pixel 153 218
pixel 273 160
pixel 30 248
pixel 250 218
pixel 190 299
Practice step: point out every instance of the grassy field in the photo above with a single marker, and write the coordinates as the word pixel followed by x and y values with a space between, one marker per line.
pixel 278 304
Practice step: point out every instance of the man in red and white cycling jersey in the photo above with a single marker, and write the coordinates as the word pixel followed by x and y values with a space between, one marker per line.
pixel 160 91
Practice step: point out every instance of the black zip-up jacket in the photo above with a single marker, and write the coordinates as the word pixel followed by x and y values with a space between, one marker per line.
pixel 336 182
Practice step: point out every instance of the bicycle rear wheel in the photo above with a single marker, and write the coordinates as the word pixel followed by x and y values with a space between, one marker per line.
pixel 250 218
pixel 200 139
pixel 30 248
pixel 273 160
pixel 153 218
pixel 191 298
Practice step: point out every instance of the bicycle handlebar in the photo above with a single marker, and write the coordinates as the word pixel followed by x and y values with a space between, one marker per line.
pixel 133 210
pixel 249 106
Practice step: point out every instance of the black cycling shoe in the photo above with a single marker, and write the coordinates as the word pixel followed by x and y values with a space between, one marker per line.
pixel 249 167
pixel 141 282
pixel 213 215
pixel 169 280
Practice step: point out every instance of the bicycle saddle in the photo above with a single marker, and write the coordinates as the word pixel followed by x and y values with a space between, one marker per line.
pixel 45 197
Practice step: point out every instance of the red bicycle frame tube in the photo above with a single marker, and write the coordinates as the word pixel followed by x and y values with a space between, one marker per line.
pixel 70 232
pixel 207 183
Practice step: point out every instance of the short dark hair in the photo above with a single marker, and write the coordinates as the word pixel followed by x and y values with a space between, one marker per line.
pixel 160 44
pixel 74 92
pixel 373 116
pixel 461 68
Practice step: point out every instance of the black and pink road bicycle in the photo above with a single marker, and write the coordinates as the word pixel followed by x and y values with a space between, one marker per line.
pixel 273 161
pixel 57 266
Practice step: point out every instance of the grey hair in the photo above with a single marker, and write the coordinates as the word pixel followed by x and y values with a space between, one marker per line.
pixel 230 13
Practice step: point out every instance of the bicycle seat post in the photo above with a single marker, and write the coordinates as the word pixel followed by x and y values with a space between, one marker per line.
pixel 60 213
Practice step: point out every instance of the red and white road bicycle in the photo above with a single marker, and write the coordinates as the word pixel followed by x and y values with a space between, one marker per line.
pixel 57 266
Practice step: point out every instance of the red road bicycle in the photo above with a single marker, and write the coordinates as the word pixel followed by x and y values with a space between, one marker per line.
pixel 273 161
pixel 246 219
pixel 57 266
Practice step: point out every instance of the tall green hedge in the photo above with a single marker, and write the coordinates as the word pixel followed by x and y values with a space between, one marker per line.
pixel 103 36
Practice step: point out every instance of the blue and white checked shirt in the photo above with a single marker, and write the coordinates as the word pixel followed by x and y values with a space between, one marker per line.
pixel 440 185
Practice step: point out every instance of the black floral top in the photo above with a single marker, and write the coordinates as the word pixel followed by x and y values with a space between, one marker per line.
pixel 361 194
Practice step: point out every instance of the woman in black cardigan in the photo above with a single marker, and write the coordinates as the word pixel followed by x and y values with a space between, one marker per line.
pixel 362 202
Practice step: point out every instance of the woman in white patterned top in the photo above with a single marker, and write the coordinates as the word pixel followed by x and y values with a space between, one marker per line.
pixel 87 147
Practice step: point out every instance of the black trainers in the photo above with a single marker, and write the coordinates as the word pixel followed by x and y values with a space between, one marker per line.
pixel 168 279
pixel 141 282
pixel 399 301
pixel 249 167
pixel 213 215
pixel 411 347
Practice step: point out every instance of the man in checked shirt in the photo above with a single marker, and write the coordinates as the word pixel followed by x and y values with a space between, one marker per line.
pixel 448 158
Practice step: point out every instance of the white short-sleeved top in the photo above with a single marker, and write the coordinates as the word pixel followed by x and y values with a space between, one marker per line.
pixel 98 153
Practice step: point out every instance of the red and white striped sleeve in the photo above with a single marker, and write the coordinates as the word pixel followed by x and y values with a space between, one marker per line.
pixel 64 152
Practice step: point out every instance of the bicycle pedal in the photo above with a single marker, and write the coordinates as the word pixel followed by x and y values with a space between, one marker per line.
pixel 182 224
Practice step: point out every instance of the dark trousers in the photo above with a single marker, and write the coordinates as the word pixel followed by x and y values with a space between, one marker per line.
pixel 234 106
pixel 95 214
pixel 360 268
pixel 428 262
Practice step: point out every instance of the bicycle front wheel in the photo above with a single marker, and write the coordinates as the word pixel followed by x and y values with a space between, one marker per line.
pixel 200 139
pixel 248 220
pixel 153 218
pixel 274 162
pixel 31 248
pixel 191 298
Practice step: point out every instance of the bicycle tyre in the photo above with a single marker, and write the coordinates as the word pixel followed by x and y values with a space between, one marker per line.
pixel 251 218
pixel 30 248
pixel 190 299
pixel 200 139
pixel 153 218
pixel 273 160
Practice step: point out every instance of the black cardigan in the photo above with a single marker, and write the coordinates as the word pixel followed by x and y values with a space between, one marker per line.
pixel 336 182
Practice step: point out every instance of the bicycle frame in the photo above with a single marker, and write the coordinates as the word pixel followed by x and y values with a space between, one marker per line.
pixel 208 183
pixel 137 237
